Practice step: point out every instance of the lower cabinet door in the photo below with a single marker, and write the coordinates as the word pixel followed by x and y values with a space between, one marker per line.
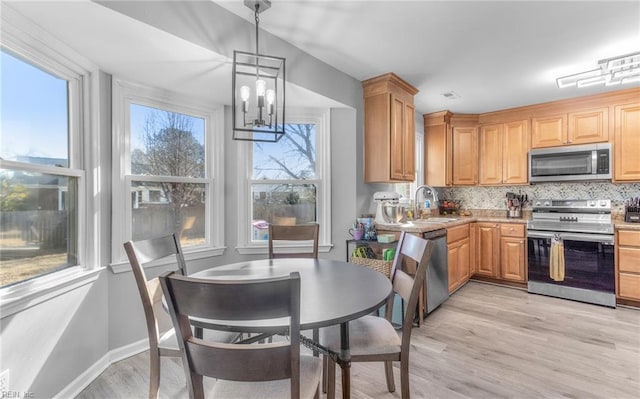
pixel 488 249
pixel 458 262
pixel 512 261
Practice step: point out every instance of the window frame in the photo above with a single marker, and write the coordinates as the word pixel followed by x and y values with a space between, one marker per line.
pixel 124 94
pixel 28 42
pixel 244 156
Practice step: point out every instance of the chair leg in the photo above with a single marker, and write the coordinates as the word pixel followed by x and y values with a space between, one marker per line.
pixel 325 370
pixel 196 386
pixel 154 373
pixel 331 380
pixel 404 377
pixel 388 373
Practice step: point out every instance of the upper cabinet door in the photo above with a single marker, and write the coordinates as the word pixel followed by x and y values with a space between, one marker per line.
pixel 409 144
pixel 465 155
pixel 515 146
pixel 437 149
pixel 491 152
pixel 626 146
pixel 397 138
pixel 377 122
pixel 591 126
pixel 549 131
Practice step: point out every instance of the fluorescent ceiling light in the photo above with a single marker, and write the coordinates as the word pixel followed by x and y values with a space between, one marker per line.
pixel 610 71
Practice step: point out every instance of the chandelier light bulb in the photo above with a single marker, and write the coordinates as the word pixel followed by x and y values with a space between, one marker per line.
pixel 245 92
pixel 261 86
pixel 271 96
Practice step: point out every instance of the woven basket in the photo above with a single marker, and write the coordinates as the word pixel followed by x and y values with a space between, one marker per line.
pixel 382 266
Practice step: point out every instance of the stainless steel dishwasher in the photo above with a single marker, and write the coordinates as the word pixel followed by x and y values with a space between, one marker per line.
pixel 438 273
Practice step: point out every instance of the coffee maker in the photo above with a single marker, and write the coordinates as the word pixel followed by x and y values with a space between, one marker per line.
pixel 382 198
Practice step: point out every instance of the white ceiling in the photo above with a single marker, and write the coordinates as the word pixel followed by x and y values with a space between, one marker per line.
pixel 494 55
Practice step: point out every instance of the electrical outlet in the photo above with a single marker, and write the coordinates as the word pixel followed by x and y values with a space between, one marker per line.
pixel 4 382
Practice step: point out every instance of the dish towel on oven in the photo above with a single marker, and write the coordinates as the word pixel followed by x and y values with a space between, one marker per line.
pixel 556 259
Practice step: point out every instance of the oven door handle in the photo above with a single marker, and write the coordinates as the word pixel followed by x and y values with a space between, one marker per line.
pixel 601 238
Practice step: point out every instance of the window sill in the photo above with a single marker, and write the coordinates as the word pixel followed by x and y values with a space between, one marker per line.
pixel 290 249
pixel 24 295
pixel 124 267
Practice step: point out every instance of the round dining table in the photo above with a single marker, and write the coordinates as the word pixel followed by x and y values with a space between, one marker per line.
pixel 331 292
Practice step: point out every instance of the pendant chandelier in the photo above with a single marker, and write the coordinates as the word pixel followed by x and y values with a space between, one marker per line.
pixel 258 90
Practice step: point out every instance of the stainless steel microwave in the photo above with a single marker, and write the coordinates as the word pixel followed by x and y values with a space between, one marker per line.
pixel 570 163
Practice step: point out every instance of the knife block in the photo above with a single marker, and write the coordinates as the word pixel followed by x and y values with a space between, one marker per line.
pixel 631 214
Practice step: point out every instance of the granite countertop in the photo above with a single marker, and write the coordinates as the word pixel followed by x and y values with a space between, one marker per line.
pixel 478 215
pixel 482 215
pixel 619 223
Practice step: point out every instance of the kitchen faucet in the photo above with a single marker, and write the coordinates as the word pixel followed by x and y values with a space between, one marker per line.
pixel 429 190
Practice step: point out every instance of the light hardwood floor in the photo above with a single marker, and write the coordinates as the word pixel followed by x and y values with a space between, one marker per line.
pixel 486 341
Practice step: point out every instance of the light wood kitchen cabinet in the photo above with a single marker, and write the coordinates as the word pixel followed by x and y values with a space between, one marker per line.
pixel 488 249
pixel 628 264
pixel 437 149
pixel 503 153
pixel 465 155
pixel 576 127
pixel 450 149
pixel 458 253
pixel 513 252
pixel 590 126
pixel 389 129
pixel 548 131
pixel 626 144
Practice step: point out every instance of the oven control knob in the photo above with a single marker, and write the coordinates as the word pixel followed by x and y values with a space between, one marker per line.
pixel 603 203
pixel 546 203
pixel 591 203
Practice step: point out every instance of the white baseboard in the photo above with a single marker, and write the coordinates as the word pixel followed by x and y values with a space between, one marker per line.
pixel 76 386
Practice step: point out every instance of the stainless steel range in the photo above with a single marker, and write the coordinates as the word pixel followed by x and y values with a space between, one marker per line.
pixel 583 233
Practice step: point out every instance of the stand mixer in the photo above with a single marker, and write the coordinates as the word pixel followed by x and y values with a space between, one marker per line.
pixel 386 200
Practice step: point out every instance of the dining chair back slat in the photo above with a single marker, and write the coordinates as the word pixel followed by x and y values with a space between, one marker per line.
pixel 300 232
pixel 232 299
pixel 152 249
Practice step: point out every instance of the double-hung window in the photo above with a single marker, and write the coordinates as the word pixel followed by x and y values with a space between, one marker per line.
pixel 41 173
pixel 166 170
pixel 286 182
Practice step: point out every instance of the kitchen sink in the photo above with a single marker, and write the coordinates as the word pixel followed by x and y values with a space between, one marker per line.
pixel 435 220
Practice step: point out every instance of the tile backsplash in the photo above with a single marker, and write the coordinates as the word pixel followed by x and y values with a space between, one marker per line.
pixel 480 197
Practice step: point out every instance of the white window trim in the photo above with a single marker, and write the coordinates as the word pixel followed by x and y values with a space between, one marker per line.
pixel 125 93
pixel 28 41
pixel 246 246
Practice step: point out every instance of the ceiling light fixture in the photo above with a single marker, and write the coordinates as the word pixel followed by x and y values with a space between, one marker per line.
pixel 610 71
pixel 258 90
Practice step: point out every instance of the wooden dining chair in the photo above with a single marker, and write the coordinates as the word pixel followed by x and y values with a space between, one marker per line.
pixel 374 339
pixel 299 232
pixel 259 370
pixel 162 337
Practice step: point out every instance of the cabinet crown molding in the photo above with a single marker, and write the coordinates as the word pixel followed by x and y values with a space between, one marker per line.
pixel 387 82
